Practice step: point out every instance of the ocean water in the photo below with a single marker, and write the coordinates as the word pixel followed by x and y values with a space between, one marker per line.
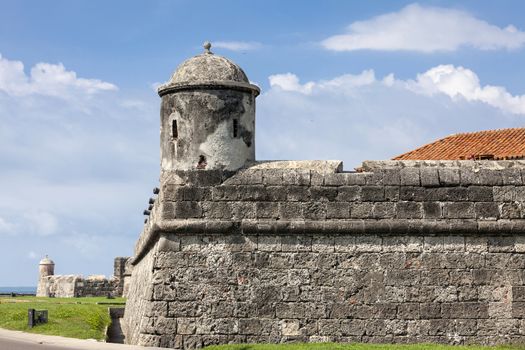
pixel 21 290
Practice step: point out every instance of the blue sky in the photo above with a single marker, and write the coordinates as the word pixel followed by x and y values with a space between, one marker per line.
pixel 342 80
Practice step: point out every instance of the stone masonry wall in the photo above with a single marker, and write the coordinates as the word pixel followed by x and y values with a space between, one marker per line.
pixel 59 286
pixel 403 252
pixel 69 286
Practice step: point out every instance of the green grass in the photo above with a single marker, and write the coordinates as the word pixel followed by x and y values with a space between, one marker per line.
pixel 332 346
pixel 79 318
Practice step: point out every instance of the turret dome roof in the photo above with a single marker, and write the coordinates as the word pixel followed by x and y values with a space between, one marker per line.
pixel 47 261
pixel 207 70
pixel 208 67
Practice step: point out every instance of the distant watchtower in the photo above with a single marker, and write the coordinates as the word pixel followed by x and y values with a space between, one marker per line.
pixel 207 115
pixel 46 267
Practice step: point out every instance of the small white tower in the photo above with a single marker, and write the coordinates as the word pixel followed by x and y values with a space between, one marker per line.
pixel 46 267
pixel 207 115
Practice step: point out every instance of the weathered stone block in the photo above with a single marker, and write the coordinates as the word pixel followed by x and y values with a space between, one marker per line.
pixel 186 325
pixel 432 210
pixel 372 193
pixel 455 194
pixel 368 244
pixel 429 177
pixel 402 244
pixel 290 327
pixel 217 210
pixel 392 193
pixel 297 194
pixel 323 243
pixel 348 193
pixel 433 244
pixel 330 327
pixel 391 177
pixel 337 179
pixel 501 244
pixel 490 177
pixel 470 310
pixel 408 311
pixel 402 277
pixel 480 194
pixel 486 210
pixel 459 210
pixel 504 194
pixel 225 193
pixel 338 210
pixel 269 243
pixel 518 309
pixel 268 210
pixel 291 210
pixel 294 243
pixel 242 210
pixel 290 310
pixel 409 210
pixel 511 176
pixel 315 211
pixel 298 177
pixel 324 194
pixel 448 176
pixel 374 178
pixel 410 177
pixel 361 210
pixel 466 327
pixel 412 193
pixel 249 326
pixel 454 243
pixel 384 210
pixel 510 210
pixel 429 310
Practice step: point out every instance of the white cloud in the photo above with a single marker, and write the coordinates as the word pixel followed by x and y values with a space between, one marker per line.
pixel 455 82
pixel 41 223
pixel 32 255
pixel 87 245
pixel 459 82
pixel 290 82
pixel 355 117
pixel 6 227
pixel 425 29
pixel 46 79
pixel 237 45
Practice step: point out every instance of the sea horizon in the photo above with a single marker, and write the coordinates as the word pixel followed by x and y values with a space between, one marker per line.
pixel 18 289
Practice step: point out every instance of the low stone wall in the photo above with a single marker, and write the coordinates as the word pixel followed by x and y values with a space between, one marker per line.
pixel 98 286
pixel 60 286
pixel 402 252
pixel 69 286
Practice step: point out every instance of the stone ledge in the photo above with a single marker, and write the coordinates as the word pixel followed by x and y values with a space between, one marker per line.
pixel 382 226
pixel 374 165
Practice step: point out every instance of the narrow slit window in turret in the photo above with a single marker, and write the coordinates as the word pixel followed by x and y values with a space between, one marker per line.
pixel 174 131
pixel 235 127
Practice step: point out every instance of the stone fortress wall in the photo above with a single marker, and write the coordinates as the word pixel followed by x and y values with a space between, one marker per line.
pixel 68 286
pixel 405 251
pixel 235 250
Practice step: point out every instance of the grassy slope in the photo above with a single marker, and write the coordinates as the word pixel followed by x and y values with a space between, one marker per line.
pixel 69 317
pixel 329 346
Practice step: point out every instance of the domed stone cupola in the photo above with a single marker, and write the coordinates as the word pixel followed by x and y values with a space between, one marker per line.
pixel 207 115
pixel 46 267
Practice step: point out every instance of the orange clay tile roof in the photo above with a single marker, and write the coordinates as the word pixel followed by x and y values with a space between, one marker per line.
pixel 489 144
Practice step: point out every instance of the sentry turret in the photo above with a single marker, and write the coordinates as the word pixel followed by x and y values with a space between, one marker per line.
pixel 207 115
